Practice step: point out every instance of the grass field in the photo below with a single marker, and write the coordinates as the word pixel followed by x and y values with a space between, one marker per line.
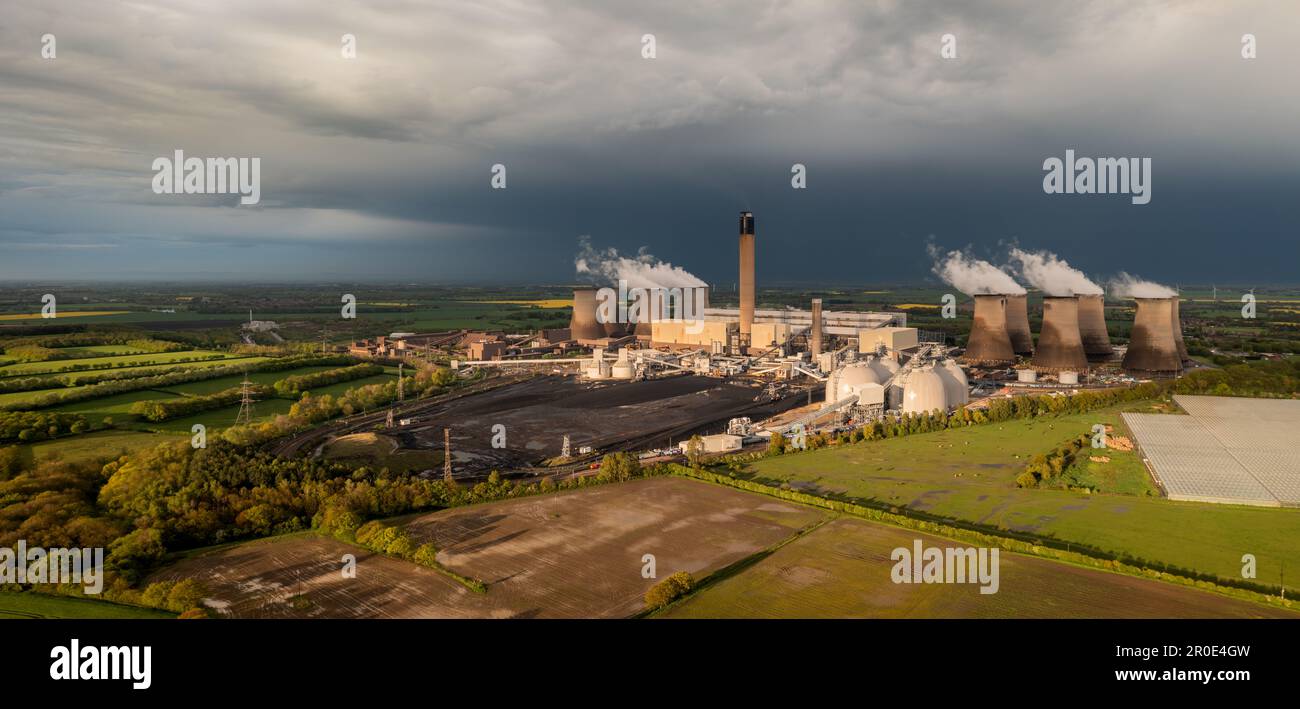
pixel 118 405
pixel 968 474
pixel 94 363
pixel 842 570
pixel 100 445
pixel 212 386
pixel 101 351
pixel 37 605
pixel 262 410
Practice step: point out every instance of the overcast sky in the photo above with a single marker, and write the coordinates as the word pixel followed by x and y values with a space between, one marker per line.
pixel 378 167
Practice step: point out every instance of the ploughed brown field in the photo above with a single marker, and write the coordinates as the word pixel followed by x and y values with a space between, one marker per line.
pixel 576 554
pixel 842 570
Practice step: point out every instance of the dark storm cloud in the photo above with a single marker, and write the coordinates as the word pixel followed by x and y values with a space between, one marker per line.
pixel 379 167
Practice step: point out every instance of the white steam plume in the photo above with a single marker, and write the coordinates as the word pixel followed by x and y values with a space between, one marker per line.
pixel 1052 275
pixel 972 276
pixel 606 267
pixel 1126 286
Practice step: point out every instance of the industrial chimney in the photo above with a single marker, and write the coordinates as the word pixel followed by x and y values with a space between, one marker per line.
pixel 1092 328
pixel 1060 348
pixel 1022 342
pixel 583 324
pixel 746 277
pixel 1178 334
pixel 1152 348
pixel 815 336
pixel 989 343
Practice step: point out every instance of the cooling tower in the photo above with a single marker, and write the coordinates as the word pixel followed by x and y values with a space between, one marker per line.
pixel 1178 334
pixel 815 337
pixel 1059 345
pixel 644 311
pixel 1022 342
pixel 1092 328
pixel 612 328
pixel 746 276
pixel 1152 347
pixel 583 325
pixel 990 343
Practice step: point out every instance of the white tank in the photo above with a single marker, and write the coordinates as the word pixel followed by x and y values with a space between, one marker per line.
pixel 1028 376
pixel 598 370
pixel 924 392
pixel 885 367
pixel 956 388
pixel 849 380
pixel 1068 377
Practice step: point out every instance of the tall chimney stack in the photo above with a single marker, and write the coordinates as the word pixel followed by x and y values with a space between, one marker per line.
pixel 1092 327
pixel 1060 348
pixel 989 342
pixel 1152 347
pixel 1022 342
pixel 815 336
pixel 746 277
pixel 583 324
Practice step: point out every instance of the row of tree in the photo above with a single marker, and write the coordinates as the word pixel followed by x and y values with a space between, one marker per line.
pixel 1049 467
pixel 31 426
pixel 303 382
pixel 165 409
pixel 182 376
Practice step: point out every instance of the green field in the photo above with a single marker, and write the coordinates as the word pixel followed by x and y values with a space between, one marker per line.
pixel 99 445
pixel 95 363
pixel 36 605
pixel 212 386
pixel 968 474
pixel 89 351
pixel 262 410
pixel 118 405
pixel 843 570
